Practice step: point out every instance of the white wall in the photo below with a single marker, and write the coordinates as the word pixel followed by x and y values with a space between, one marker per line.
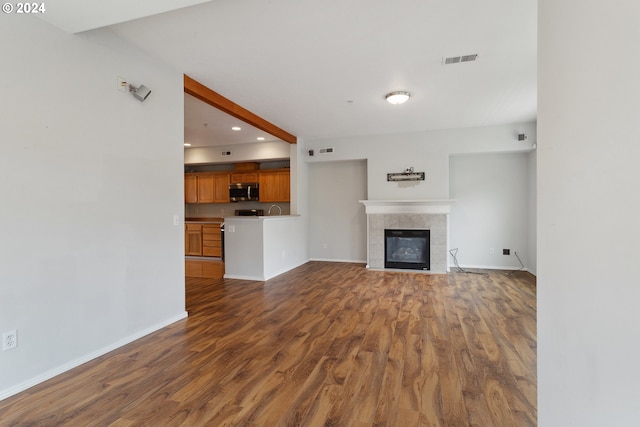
pixel 285 244
pixel 260 248
pixel 338 226
pixel 239 153
pixel 491 209
pixel 532 260
pixel 427 152
pixel 90 181
pixel 244 248
pixel 588 213
pixel 424 151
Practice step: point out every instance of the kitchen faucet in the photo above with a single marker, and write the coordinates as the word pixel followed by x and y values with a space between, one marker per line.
pixel 274 206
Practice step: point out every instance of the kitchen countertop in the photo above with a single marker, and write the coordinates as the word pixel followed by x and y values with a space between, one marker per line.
pixel 211 220
pixel 253 217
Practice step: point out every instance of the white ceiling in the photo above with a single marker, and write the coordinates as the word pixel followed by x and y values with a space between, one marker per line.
pixel 207 126
pixel 75 16
pixel 320 69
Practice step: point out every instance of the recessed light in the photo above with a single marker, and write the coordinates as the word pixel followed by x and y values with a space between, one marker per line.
pixel 236 128
pixel 397 97
pixel 186 144
pixel 260 138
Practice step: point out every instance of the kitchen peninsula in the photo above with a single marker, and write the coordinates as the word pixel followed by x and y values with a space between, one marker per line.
pixel 262 247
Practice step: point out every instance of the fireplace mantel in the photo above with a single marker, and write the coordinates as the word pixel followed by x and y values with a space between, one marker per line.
pixel 432 206
pixel 430 214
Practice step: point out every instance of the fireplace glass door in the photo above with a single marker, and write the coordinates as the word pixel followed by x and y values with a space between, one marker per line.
pixel 406 249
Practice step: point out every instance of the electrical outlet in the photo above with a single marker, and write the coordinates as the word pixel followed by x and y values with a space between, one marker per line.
pixel 9 340
pixel 506 252
pixel 492 251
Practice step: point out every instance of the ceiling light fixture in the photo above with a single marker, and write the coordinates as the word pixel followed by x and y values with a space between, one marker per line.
pixel 186 144
pixel 236 128
pixel 397 97
pixel 260 138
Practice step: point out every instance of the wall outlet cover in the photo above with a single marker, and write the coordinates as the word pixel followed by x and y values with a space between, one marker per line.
pixel 9 340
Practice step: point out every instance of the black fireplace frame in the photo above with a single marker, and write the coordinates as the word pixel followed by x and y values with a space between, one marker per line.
pixel 408 233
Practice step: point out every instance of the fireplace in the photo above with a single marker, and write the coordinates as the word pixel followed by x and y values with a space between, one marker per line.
pixel 407 249
pixel 430 215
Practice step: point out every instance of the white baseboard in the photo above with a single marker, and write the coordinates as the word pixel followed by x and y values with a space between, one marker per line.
pixel 88 357
pixel 241 277
pixel 353 261
pixel 489 267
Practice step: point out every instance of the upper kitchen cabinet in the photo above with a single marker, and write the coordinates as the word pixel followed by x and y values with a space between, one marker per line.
pixel 275 185
pixel 206 187
pixel 244 177
pixel 245 172
pixel 190 188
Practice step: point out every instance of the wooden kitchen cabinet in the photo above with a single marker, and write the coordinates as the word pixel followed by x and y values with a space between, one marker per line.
pixel 244 177
pixel 206 187
pixel 193 239
pixel 204 268
pixel 211 240
pixel 190 188
pixel 275 185
pixel 203 240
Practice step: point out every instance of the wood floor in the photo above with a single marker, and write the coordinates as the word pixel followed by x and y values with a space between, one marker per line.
pixel 328 344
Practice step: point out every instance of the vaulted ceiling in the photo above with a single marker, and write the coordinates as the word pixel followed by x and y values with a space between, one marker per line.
pixel 320 69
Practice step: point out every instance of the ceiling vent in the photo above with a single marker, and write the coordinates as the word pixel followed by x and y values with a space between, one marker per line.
pixel 458 59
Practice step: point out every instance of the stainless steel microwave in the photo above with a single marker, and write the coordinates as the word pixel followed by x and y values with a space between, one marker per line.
pixel 243 191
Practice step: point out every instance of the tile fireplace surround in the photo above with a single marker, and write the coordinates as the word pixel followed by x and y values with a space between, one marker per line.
pixel 408 214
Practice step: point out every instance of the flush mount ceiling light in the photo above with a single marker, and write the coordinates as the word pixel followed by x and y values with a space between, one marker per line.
pixel 236 128
pixel 397 97
pixel 260 138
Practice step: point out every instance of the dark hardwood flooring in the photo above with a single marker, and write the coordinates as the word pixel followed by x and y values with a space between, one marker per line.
pixel 327 344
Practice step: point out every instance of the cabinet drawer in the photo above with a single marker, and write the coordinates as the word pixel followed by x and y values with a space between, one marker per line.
pixel 194 227
pixel 208 237
pixel 207 251
pixel 211 234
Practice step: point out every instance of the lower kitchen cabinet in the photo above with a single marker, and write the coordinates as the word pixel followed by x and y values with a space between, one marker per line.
pixel 207 269
pixel 193 239
pixel 203 240
pixel 211 240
